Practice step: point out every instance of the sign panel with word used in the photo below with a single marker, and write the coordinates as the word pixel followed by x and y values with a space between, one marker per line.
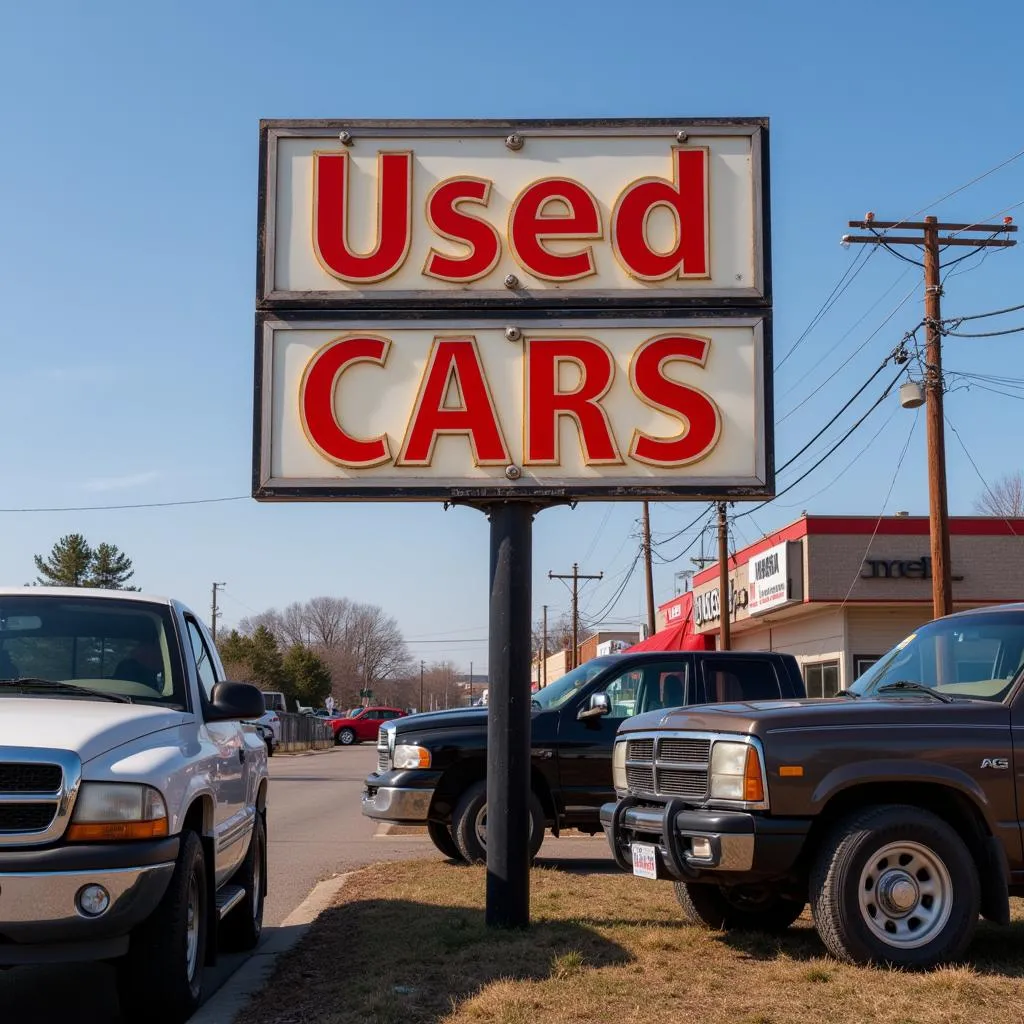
pixel 464 409
pixel 483 213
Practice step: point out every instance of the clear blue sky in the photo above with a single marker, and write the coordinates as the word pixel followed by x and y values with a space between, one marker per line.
pixel 127 252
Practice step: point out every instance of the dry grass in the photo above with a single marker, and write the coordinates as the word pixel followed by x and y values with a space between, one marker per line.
pixel 407 944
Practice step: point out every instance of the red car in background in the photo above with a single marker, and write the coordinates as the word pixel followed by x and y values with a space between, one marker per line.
pixel 363 725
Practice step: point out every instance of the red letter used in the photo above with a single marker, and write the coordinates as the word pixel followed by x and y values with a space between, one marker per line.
pixel 445 217
pixel 317 395
pixel 331 220
pixel 454 362
pixel 529 226
pixel 702 423
pixel 546 403
pixel 687 197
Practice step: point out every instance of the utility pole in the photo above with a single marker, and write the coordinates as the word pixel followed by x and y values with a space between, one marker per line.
pixel 932 244
pixel 648 571
pixel 575 576
pixel 214 613
pixel 421 684
pixel 471 684
pixel 723 578
pixel 544 646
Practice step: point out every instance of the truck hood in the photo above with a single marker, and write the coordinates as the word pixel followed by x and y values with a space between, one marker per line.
pixel 88 728
pixel 451 719
pixel 762 717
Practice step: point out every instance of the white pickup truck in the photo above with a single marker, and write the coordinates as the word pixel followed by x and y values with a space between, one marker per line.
pixel 133 794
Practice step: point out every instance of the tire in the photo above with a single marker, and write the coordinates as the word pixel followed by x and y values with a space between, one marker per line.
pixel 471 809
pixel 873 866
pixel 712 906
pixel 346 737
pixel 441 837
pixel 243 927
pixel 160 978
pixel 270 748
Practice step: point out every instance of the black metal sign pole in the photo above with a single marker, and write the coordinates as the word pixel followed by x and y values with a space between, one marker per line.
pixel 508 716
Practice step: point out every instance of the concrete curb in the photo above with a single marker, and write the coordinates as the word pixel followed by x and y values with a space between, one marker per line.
pixel 228 1002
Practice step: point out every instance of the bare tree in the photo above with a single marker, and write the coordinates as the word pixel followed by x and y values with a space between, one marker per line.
pixel 1005 498
pixel 327 619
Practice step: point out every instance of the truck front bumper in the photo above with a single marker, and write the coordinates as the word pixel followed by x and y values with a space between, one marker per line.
pixel 400 796
pixel 692 843
pixel 41 918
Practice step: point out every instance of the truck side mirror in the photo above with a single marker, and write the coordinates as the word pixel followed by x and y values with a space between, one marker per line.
pixel 599 706
pixel 235 701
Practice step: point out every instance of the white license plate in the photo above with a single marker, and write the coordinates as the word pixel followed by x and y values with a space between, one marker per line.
pixel 645 862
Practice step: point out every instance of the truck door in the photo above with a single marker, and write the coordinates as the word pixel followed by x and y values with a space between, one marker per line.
pixel 223 762
pixel 585 745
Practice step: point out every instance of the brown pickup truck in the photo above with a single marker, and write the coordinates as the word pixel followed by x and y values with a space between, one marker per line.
pixel 893 808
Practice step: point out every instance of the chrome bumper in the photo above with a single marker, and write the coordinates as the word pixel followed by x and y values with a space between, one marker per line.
pixel 40 907
pixel 392 803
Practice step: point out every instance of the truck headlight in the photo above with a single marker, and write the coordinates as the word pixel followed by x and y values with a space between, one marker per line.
pixel 736 773
pixel 115 811
pixel 619 766
pixel 409 756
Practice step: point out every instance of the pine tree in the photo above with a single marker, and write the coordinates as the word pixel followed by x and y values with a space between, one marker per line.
pixel 307 677
pixel 111 569
pixel 68 565
pixel 265 661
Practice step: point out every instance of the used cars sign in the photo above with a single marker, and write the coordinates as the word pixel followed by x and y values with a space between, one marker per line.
pixel 473 310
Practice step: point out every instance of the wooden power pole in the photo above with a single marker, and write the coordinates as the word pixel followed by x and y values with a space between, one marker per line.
pixel 927 238
pixel 544 648
pixel 723 578
pixel 575 576
pixel 214 612
pixel 648 569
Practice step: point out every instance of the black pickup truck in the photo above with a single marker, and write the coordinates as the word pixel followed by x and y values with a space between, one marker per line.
pixel 432 767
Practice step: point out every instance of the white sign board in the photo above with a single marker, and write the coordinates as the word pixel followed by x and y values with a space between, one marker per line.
pixel 471 212
pixel 464 409
pixel 768 583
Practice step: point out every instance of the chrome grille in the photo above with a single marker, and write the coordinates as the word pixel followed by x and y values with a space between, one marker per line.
pixel 383 761
pixel 640 779
pixel 30 778
pixel 640 750
pixel 673 782
pixel 26 817
pixel 683 751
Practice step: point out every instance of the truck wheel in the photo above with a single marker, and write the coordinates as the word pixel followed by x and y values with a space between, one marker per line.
pixel 895 885
pixel 346 737
pixel 736 909
pixel 243 927
pixel 161 976
pixel 469 824
pixel 442 839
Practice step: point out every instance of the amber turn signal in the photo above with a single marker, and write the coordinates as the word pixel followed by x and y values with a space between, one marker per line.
pixel 753 784
pixel 114 831
pixel 791 771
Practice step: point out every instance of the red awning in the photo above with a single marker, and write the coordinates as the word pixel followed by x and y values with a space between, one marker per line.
pixel 680 636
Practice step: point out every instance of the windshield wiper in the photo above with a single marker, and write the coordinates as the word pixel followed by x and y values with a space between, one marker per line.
pixel 847 693
pixel 905 684
pixel 29 683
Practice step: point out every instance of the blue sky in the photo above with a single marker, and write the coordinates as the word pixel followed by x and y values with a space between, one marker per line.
pixel 127 255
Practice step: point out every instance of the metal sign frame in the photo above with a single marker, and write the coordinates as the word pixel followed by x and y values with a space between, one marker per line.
pixel 758 294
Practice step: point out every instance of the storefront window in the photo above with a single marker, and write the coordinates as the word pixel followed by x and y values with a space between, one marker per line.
pixel 862 662
pixel 822 679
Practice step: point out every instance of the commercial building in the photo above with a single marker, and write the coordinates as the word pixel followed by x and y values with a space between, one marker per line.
pixel 838 592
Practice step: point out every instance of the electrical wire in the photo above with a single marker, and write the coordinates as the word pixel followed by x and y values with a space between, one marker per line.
pixel 689 547
pixel 970 459
pixel 597 617
pixel 686 529
pixel 983 334
pixel 147 504
pixel 888 495
pixel 981 316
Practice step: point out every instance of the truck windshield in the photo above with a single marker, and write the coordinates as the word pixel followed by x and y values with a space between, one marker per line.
pixel 122 648
pixel 976 657
pixel 561 690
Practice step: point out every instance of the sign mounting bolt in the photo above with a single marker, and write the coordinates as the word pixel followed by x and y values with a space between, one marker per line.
pixel 513 472
pixel 511 281
pixel 681 136
pixel 514 141
pixel 513 334
pixel 345 138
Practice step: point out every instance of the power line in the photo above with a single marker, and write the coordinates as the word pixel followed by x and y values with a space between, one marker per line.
pixel 984 334
pixel 147 504
pixel 981 316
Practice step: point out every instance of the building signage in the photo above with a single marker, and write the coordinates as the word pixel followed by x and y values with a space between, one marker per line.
pixel 645 211
pixel 611 647
pixel 458 409
pixel 707 606
pixel 768 579
pixel 898 568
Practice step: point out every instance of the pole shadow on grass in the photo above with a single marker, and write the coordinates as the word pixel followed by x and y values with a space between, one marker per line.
pixel 403 962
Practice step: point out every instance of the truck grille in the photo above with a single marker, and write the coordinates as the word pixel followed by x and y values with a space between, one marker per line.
pixel 26 817
pixel 668 766
pixel 30 778
pixel 383 761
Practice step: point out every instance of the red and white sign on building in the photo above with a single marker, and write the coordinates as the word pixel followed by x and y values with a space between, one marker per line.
pixel 479 310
